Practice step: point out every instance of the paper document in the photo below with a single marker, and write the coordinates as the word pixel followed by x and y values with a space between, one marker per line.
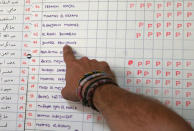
pixel 149 44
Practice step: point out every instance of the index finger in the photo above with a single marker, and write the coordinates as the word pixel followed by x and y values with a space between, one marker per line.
pixel 68 54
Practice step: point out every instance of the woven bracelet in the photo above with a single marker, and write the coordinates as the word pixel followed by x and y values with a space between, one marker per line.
pixel 88 74
pixel 84 81
pixel 95 84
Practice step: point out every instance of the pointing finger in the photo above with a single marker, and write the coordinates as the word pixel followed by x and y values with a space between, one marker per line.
pixel 68 54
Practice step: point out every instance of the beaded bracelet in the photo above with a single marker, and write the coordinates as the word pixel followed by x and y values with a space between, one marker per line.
pixel 88 74
pixel 90 89
pixel 85 93
pixel 85 80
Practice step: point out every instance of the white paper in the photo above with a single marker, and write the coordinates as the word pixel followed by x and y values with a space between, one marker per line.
pixel 148 44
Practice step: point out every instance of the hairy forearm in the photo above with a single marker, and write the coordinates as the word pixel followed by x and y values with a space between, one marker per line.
pixel 127 111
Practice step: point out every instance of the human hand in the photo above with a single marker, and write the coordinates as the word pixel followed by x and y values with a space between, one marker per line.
pixel 75 70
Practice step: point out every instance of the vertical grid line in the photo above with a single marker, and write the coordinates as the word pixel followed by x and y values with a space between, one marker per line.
pixel 163 53
pixel 20 60
pixel 116 33
pixel 97 30
pixel 143 46
pixel 125 57
pixel 39 58
pixel 134 59
pixel 183 33
pixel 153 48
pixel 173 57
pixel 107 21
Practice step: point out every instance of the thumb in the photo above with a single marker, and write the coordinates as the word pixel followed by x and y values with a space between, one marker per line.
pixel 69 94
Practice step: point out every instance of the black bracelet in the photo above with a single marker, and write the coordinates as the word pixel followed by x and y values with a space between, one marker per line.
pixel 90 89
pixel 84 101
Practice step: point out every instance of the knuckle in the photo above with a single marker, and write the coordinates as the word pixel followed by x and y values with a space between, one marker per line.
pixel 104 64
pixel 94 61
pixel 84 58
